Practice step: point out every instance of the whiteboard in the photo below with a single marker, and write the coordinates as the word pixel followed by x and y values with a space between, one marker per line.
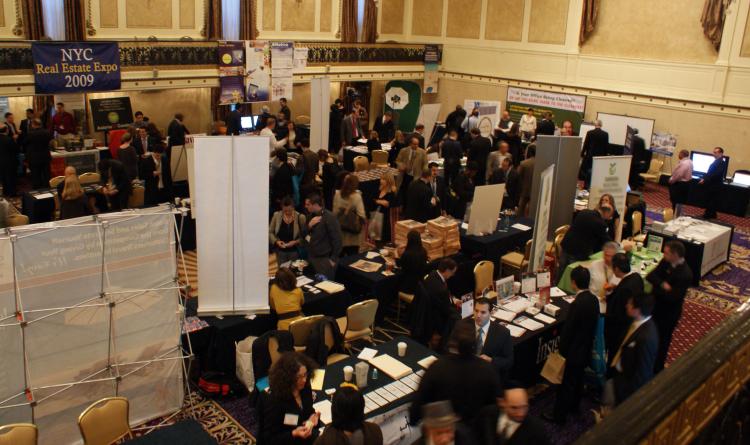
pixel 428 114
pixel 585 128
pixel 617 126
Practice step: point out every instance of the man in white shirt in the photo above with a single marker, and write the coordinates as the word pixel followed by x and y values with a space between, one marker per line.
pixel 603 278
pixel 269 131
pixel 471 121
pixel 493 340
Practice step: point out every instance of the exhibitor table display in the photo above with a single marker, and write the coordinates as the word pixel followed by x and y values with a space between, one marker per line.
pixel 84 161
pixel 493 246
pixel 730 198
pixel 643 262
pixel 707 244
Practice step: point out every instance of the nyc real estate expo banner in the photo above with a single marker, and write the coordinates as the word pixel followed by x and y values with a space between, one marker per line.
pixel 75 67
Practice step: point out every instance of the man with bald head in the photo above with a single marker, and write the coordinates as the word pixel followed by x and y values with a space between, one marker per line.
pixel 509 422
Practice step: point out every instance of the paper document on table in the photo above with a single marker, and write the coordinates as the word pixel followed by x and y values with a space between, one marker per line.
pixel 515 331
pixel 501 314
pixel 545 318
pixel 370 406
pixel 516 304
pixel 556 292
pixel 395 391
pixel 371 255
pixel 413 385
pixel 427 361
pixel 303 280
pixel 367 354
pixel 404 388
pixel 324 407
pixel 44 196
pixel 376 399
pixel 316 383
pixel 389 365
pixel 330 287
pixel 387 395
pixel 528 323
pixel 521 227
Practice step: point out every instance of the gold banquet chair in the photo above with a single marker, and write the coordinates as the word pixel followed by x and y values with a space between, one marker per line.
pixel 654 171
pixel 379 158
pixel 638 235
pixel 54 182
pixel 484 277
pixel 17 220
pixel 359 322
pixel 89 178
pixel 105 421
pixel 330 342
pixel 361 164
pixel 667 214
pixel 18 434
pixel 300 330
pixel 515 262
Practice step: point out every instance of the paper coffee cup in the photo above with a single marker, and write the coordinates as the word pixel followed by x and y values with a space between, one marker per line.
pixel 348 371
pixel 516 287
pixel 401 349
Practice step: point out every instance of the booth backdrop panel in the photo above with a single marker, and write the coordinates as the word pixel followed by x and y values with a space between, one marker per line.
pixel 320 115
pixel 617 127
pixel 153 390
pixel 541 220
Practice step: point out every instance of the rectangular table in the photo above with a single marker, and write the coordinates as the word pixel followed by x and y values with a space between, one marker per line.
pixel 352 152
pixel 184 432
pixel 707 244
pixel 492 247
pixel 39 205
pixel 730 198
pixel 83 160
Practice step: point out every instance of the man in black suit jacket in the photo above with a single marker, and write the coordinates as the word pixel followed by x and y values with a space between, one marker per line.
pixel 385 128
pixel 176 132
pixel 510 422
pixel 712 182
pixel 454 120
pixel 595 144
pixel 616 320
pixel 461 377
pixel 419 134
pixel 670 280
pixel 351 131
pixel 444 311
pixel 38 155
pixel 586 235
pixel 25 126
pixel 143 142
pixel 8 161
pixel 419 203
pixel 512 184
pixel 495 344
pixel 546 126
pixel 633 363
pixel 576 343
pixel 439 191
pixel 479 150
pixel 452 153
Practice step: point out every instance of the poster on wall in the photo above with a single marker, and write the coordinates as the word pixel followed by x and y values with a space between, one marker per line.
pixel 231 58
pixel 258 71
pixel 541 220
pixel 403 99
pixel 489 113
pixel 300 59
pixel 282 66
pixel 74 67
pixel 111 112
pixel 609 174
pixel 562 106
pixel 232 90
pixel 431 59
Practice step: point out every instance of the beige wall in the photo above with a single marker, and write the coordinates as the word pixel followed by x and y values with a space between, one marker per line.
pixel 651 29
pixel 504 20
pixel 464 18
pixel 392 17
pixel 300 102
pixel 548 21
pixel 298 19
pixel 129 19
pixel 745 50
pixel 427 17
pixel 297 16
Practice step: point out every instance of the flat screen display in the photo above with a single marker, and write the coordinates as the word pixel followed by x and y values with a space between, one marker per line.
pixel 248 122
pixel 702 161
pixel 741 179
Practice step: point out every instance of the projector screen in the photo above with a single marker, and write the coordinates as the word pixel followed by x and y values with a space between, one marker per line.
pixel 617 127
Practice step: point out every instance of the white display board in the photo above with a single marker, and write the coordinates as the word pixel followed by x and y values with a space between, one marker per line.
pixel 98 316
pixel 485 209
pixel 490 109
pixel 617 127
pixel 320 115
pixel 231 187
pixel 541 220
pixel 428 115
pixel 609 174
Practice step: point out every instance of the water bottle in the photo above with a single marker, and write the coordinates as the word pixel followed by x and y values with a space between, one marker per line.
pixel 374 373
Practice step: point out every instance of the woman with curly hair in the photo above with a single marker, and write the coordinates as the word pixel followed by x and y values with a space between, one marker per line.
pixel 288 416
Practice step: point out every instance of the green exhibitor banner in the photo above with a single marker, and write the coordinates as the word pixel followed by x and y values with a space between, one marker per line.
pixel 562 106
pixel 403 98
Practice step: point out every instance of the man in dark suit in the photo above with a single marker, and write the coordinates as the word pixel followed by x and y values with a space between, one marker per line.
pixel 350 129
pixel 176 132
pixel 8 161
pixel 670 280
pixel 284 109
pixel 461 377
pixel 616 320
pixel 712 182
pixel 335 118
pixel 586 235
pixel 633 363
pixel 494 343
pixel 512 185
pixel 454 120
pixel 444 310
pixel 25 127
pixel 324 242
pixel 479 150
pixel 462 190
pixel 419 134
pixel 595 144
pixel 526 180
pixel 38 154
pixel 420 205
pixel 509 422
pixel 546 126
pixel 452 153
pixel 157 176
pixel 143 142
pixel 385 128
pixel 234 122
pixel 439 191
pixel 576 343
pixel 640 162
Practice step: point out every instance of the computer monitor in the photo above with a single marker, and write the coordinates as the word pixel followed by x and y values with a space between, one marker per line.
pixel 248 122
pixel 702 161
pixel 741 179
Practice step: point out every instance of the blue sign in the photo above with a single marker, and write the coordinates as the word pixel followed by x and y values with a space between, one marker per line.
pixel 75 67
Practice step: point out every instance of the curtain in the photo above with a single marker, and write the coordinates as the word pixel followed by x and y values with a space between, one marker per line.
pixel 213 20
pixel 247 20
pixel 230 19
pixel 75 20
pixel 370 22
pixel 33 23
pixel 54 19
pixel 712 19
pixel 588 19
pixel 349 21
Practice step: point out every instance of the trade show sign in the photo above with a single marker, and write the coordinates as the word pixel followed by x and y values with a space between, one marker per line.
pixel 75 67
pixel 562 106
pixel 609 174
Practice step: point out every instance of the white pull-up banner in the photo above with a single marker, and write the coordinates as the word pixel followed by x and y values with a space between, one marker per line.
pixel 231 187
pixel 609 174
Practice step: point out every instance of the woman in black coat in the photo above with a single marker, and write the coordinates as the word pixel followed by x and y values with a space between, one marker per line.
pixel 413 263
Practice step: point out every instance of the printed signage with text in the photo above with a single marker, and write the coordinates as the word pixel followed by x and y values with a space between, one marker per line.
pixel 71 67
pixel 562 106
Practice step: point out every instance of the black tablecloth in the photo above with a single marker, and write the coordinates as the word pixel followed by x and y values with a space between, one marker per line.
pixel 185 432
pixel 730 198
pixel 41 210
pixel 414 353
pixel 492 247
pixel 349 156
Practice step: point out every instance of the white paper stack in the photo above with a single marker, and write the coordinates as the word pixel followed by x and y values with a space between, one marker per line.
pixel 516 305
pixel 502 314
pixel 545 318
pixel 427 361
pixel 516 331
pixel 529 324
pixel 330 287
pixel 392 367
pixel 324 407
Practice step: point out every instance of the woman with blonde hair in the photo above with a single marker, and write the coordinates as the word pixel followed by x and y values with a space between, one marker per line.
pixel 73 202
pixel 350 212
pixel 614 221
pixel 384 202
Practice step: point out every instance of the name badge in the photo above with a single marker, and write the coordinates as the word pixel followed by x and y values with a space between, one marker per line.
pixel 307 238
pixel 291 419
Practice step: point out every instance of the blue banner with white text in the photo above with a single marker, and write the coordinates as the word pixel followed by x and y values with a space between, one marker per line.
pixel 75 67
